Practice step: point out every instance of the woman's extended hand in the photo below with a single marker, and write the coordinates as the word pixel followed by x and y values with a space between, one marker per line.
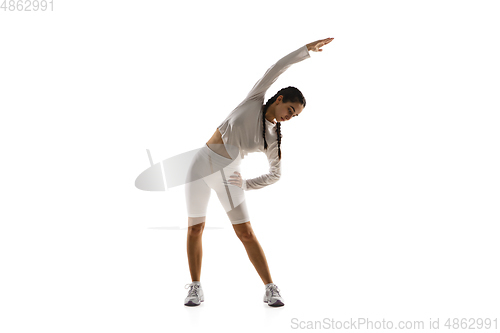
pixel 236 180
pixel 315 46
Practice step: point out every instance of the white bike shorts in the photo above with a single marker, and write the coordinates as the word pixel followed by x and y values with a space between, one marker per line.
pixel 208 171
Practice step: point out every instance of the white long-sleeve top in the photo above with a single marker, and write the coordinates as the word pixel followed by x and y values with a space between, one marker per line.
pixel 243 127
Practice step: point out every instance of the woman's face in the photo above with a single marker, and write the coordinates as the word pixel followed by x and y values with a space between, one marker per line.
pixel 286 111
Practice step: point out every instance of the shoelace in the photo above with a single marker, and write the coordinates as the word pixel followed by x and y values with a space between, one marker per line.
pixel 194 289
pixel 275 291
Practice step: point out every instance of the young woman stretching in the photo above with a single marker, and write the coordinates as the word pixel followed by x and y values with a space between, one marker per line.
pixel 253 126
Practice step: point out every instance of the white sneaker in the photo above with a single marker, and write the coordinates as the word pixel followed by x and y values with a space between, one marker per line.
pixel 272 296
pixel 195 295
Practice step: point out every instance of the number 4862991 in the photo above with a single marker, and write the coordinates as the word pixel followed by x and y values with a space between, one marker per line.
pixel 27 5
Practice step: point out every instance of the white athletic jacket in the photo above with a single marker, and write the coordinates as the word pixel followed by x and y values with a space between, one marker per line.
pixel 243 127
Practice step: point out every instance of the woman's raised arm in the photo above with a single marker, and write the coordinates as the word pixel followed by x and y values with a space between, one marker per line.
pixel 272 74
pixel 315 46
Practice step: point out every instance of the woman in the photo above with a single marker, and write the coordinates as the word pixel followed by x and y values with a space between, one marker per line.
pixel 250 127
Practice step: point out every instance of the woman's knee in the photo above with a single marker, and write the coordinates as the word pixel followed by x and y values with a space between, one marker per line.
pixel 247 237
pixel 244 232
pixel 195 227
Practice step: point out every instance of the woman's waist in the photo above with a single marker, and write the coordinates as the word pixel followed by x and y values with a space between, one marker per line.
pixel 216 144
pixel 219 149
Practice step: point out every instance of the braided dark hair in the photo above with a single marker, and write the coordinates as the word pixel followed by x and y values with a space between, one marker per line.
pixel 290 94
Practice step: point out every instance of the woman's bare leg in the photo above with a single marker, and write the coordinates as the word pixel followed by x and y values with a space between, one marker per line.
pixel 254 250
pixel 194 249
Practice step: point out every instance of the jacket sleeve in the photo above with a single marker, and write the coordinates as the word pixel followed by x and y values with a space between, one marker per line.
pixel 272 74
pixel 274 170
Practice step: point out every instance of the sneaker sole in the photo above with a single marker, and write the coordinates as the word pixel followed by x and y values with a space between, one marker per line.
pixel 276 304
pixel 191 303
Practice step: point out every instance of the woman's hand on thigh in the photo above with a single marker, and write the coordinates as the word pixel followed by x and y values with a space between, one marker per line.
pixel 235 180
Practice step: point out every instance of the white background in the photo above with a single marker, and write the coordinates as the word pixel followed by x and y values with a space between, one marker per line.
pixel 388 206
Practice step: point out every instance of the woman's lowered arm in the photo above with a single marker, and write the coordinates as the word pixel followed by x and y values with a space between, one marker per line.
pixel 267 179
